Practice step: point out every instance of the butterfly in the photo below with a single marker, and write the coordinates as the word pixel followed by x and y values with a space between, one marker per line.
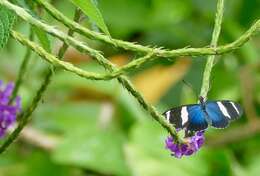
pixel 197 117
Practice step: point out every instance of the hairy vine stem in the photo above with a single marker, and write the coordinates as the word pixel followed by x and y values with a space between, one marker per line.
pixel 139 48
pixel 214 41
pixel 157 52
pixel 53 60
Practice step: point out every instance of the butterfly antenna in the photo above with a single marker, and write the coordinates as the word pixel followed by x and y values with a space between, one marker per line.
pixel 192 89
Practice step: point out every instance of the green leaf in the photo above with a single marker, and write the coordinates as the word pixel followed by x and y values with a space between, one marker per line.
pixel 84 144
pixel 7 19
pixel 91 10
pixel 33 162
pixel 43 38
pixel 68 116
pixel 39 163
pixel 94 149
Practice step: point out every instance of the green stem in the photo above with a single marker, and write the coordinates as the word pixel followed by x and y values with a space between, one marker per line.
pixel 179 52
pixel 88 33
pixel 139 48
pixel 22 70
pixel 68 66
pixel 214 42
pixel 65 46
pixel 157 52
pixel 25 116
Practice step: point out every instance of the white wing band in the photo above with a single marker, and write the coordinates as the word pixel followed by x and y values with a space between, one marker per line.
pixel 168 114
pixel 184 115
pixel 223 109
pixel 234 106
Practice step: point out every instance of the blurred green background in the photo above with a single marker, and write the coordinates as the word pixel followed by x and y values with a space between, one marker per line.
pixel 91 128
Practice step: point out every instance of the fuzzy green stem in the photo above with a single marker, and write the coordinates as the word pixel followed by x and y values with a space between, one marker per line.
pixel 157 52
pixel 65 65
pixel 139 48
pixel 88 33
pixel 214 42
pixel 22 70
pixel 179 52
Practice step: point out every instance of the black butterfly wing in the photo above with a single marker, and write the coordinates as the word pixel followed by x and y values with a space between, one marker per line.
pixel 190 117
pixel 219 113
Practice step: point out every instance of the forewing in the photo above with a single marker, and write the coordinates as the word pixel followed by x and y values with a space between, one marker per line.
pixel 233 109
pixel 190 117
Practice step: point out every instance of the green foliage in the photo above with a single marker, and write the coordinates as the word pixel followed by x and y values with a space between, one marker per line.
pixel 93 149
pixel 43 38
pixel 130 142
pixel 7 19
pixel 39 163
pixel 91 10
pixel 152 17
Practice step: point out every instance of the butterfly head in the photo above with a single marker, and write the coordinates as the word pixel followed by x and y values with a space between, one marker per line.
pixel 202 100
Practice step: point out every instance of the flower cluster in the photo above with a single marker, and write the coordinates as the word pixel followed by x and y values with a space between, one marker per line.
pixel 8 112
pixel 191 145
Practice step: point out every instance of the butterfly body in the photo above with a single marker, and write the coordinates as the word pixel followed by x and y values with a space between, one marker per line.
pixel 197 117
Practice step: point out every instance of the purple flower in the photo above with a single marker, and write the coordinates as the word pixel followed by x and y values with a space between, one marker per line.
pixel 188 147
pixel 8 112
